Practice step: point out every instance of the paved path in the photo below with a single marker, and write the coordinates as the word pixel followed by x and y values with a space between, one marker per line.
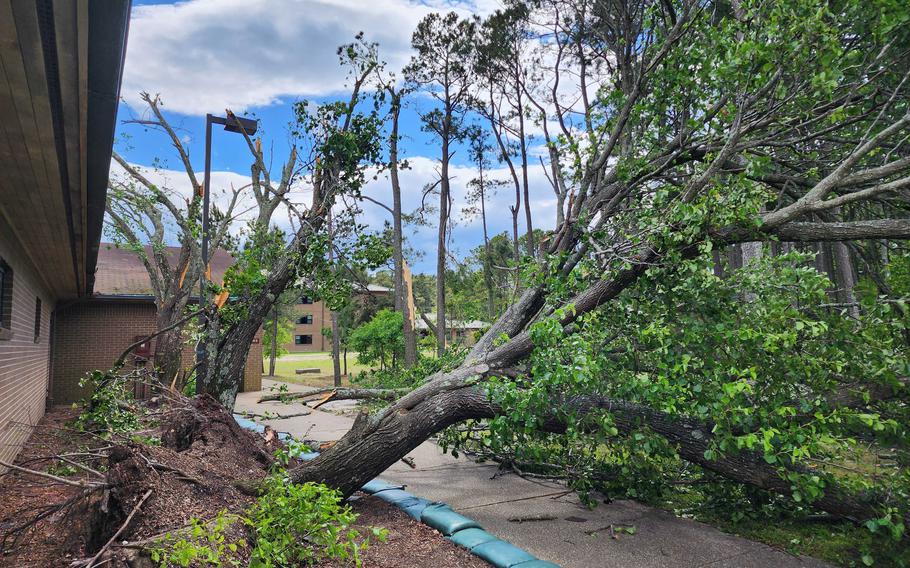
pixel 577 538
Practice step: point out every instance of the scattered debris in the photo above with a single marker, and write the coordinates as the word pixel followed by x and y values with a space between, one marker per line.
pixel 532 518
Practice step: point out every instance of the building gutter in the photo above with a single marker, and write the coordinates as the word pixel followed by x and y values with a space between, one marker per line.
pixel 107 36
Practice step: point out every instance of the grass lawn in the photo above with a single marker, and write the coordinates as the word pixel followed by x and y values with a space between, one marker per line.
pixel 286 365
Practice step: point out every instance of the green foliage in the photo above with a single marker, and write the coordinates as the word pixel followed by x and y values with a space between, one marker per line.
pixel 777 521
pixel 297 524
pixel 414 376
pixel 756 355
pixel 62 469
pixel 204 543
pixel 380 340
pixel 108 409
pixel 290 525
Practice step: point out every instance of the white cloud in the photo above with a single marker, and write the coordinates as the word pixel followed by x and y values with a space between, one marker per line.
pixel 208 55
pixel 423 170
pixel 467 233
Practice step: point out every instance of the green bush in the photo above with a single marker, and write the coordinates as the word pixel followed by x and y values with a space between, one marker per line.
pixel 290 525
pixel 399 378
pixel 380 340
pixel 302 523
pixel 108 409
pixel 204 543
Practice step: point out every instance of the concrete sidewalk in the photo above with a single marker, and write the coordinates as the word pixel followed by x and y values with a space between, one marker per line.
pixel 576 538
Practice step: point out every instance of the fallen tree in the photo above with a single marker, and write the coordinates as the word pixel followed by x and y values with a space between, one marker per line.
pixel 693 126
pixel 339 393
pixel 648 197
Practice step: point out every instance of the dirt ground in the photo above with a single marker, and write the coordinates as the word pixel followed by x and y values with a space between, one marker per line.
pixel 192 481
pixel 409 543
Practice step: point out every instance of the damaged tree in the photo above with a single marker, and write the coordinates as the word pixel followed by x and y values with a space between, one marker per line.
pixel 676 162
pixel 140 210
pixel 344 140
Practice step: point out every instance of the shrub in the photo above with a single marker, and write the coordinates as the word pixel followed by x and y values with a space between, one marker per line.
pixel 204 543
pixel 302 523
pixel 108 409
pixel 380 340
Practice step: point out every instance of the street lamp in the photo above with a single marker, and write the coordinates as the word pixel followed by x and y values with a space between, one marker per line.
pixel 236 124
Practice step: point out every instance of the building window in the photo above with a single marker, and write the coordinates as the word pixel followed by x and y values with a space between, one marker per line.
pixel 37 319
pixel 6 299
pixel 303 339
pixel 306 300
pixel 305 320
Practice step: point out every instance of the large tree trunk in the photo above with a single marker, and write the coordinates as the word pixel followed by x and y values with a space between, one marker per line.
pixel 227 351
pixel 169 345
pixel 441 239
pixel 368 449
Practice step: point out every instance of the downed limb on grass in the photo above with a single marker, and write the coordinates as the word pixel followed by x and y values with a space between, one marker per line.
pixel 340 394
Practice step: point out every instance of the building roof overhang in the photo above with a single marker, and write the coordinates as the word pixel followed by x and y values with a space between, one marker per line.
pixel 60 70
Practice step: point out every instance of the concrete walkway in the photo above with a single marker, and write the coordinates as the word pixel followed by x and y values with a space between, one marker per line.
pixel 576 538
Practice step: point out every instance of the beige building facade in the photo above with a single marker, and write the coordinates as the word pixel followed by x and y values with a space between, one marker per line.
pixel 311 317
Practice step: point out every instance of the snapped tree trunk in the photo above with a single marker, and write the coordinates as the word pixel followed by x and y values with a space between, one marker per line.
pixel 168 359
pixel 401 290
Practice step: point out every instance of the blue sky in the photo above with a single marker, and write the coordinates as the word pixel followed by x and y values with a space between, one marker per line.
pixel 257 57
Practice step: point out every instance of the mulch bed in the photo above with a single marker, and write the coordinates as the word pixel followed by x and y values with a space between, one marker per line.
pixel 409 543
pixel 196 481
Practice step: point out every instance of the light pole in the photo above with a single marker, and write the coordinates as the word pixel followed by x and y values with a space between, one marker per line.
pixel 238 125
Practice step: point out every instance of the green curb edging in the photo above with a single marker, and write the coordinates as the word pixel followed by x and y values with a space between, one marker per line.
pixel 461 530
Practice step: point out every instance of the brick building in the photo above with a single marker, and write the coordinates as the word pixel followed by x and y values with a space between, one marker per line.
pixel 59 89
pixel 311 317
pixel 92 332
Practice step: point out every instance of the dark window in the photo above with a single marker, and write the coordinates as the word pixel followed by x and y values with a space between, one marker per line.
pixel 305 320
pixel 37 319
pixel 303 339
pixel 306 300
pixel 6 296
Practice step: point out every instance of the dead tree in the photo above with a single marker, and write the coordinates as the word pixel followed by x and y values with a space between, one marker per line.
pixel 139 211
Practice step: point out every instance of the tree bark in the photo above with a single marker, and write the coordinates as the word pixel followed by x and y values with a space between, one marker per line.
pixel 340 394
pixel 401 293
pixel 274 354
pixel 169 345
pixel 487 261
pixel 530 245
pixel 441 238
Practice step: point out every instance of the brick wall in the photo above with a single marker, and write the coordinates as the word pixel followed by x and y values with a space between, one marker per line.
pixel 252 374
pixel 91 335
pixel 24 362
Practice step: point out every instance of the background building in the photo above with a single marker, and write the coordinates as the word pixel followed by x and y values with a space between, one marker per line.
pixel 312 316
pixel 92 332
pixel 458 332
